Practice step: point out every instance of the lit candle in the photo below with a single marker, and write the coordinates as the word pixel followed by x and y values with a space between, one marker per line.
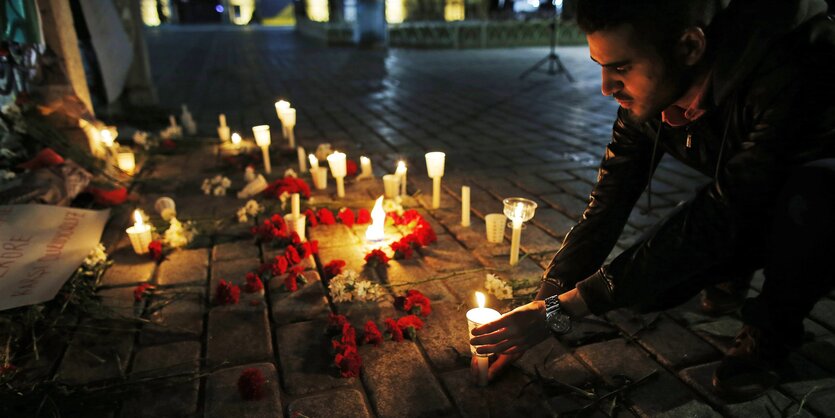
pixel 314 162
pixel 139 234
pixel 262 139
pixel 236 140
pixel 336 161
pixel 519 210
pixel 320 177
pixel 400 172
pixel 106 137
pixel 435 169
pixel 126 161
pixel 280 107
pixel 223 130
pixel 477 317
pixel 302 160
pixel 294 198
pixel 290 122
pixel 465 205
pixel 390 184
pixel 365 166
pixel 376 231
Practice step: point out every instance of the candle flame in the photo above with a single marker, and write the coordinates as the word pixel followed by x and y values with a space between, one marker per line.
pixel 106 137
pixel 314 162
pixel 364 160
pixel 282 104
pixel 480 300
pixel 518 211
pixel 137 216
pixel 401 168
pixel 375 231
pixel 236 138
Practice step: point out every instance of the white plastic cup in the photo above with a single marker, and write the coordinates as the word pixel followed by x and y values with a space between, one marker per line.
pixel 166 207
pixel 495 224
pixel 391 185
pixel 297 224
pixel 320 177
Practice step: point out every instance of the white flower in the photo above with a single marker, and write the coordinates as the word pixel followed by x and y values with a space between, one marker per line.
pixel 6 175
pixel 178 235
pixel 171 132
pixel 206 187
pixel 347 287
pixel 97 255
pixel 283 198
pixel 242 218
pixel 225 182
pixel 219 191
pixel 496 286
pixel 216 186
pixel 253 207
pixel 290 173
pixel 140 138
pixel 389 205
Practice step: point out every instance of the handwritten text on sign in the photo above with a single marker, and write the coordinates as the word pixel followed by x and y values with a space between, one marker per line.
pixel 40 248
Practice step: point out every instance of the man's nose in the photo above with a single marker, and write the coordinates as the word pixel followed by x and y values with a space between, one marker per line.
pixel 609 85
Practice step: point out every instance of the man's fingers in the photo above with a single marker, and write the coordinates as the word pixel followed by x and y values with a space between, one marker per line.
pixel 501 365
pixel 491 338
pixel 497 348
pixel 489 327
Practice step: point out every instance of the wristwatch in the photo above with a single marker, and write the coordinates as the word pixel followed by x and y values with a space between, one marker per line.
pixel 558 322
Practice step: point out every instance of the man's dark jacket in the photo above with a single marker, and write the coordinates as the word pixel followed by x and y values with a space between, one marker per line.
pixel 770 107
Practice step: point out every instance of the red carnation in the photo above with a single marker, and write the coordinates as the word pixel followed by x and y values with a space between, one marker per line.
pixel 414 302
pixel 424 232
pixel 377 257
pixel 169 144
pixel 227 293
pixel 392 330
pixel 363 217
pixel 279 265
pixel 314 246
pixel 140 291
pixel 251 384
pixel 290 283
pixel 350 168
pixel 409 216
pixel 402 249
pixel 108 197
pixel 346 215
pixel 311 218
pixel 326 216
pixel 292 255
pixel 349 335
pixel 155 250
pixel 253 283
pixel 45 158
pixel 372 334
pixel 336 322
pixel 348 362
pixel 409 325
pixel 333 269
pixel 295 239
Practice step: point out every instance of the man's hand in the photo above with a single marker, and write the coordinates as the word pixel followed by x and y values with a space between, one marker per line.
pixel 513 333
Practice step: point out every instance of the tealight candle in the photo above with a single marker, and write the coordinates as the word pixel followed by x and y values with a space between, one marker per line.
pixel 401 173
pixel 139 234
pixel 475 318
pixel 262 139
pixel 435 170
pixel 126 161
pixel 336 161
pixel 302 156
pixel 465 205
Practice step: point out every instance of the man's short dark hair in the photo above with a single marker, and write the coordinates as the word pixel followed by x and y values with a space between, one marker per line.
pixel 659 23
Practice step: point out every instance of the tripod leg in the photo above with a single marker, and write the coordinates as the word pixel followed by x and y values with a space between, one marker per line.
pixel 534 67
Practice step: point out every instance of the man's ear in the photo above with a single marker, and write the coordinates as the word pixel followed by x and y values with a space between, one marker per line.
pixel 691 45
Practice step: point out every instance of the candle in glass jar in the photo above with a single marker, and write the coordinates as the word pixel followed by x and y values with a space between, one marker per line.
pixel 139 234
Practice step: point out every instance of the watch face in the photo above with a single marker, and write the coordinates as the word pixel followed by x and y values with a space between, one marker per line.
pixel 560 324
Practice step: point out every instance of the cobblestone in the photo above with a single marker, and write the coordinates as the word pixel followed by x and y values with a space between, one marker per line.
pixel 128 267
pixel 223 399
pixel 184 267
pixel 307 303
pixel 306 362
pixel 229 327
pixel 175 316
pixel 348 403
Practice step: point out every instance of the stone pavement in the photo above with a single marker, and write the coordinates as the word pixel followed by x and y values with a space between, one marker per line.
pixel 539 138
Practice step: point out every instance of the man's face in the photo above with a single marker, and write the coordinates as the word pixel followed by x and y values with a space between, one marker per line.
pixel 633 73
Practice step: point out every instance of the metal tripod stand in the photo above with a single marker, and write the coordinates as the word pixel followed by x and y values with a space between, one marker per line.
pixel 555 66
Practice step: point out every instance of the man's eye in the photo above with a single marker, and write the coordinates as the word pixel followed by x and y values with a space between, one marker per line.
pixel 621 70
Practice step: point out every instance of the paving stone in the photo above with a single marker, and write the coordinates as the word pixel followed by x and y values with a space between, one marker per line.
pixel 445 337
pixel 305 357
pixel 352 255
pixel 820 352
pixel 699 378
pixel 553 361
pixel 535 240
pixel 175 315
pixel 771 404
pixel 99 351
pixel 618 357
pixel 693 409
pixel 720 333
pixel 184 267
pixel 400 383
pixel 333 235
pixel 305 304
pixel 166 359
pixel 408 274
pixel 121 301
pixel 171 397
pixel 235 250
pixel 229 327
pixel 674 346
pixel 128 268
pixel 448 255
pixel 553 221
pixel 819 395
pixel 590 329
pixel 535 184
pixel 824 313
pixel 472 237
pixel 501 398
pixel 570 205
pixel 344 403
pixel 567 405
pixel 233 271
pixel 222 399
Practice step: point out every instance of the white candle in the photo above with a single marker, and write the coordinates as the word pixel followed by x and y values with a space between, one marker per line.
pixel 222 120
pixel 302 160
pixel 435 170
pixel 401 173
pixel 465 205
pixel 172 120
pixel 126 161
pixel 106 137
pixel 390 183
pixel 314 162
pixel 320 177
pixel 336 161
pixel 139 234
pixel 290 122
pixel 294 198
pixel 280 106
pixel 477 317
pixel 365 165
pixel 516 236
pixel 236 140
pixel 262 139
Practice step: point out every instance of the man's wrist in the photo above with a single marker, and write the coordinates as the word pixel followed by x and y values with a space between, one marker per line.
pixel 572 303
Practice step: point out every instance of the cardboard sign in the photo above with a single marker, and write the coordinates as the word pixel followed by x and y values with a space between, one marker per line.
pixel 40 248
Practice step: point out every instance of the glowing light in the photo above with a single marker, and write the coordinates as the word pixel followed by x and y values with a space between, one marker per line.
pixel 454 10
pixel 137 217
pixel 148 10
pixel 240 11
pixel 395 12
pixel 317 10
pixel 219 8
pixel 106 137
pixel 480 300
pixel 375 231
